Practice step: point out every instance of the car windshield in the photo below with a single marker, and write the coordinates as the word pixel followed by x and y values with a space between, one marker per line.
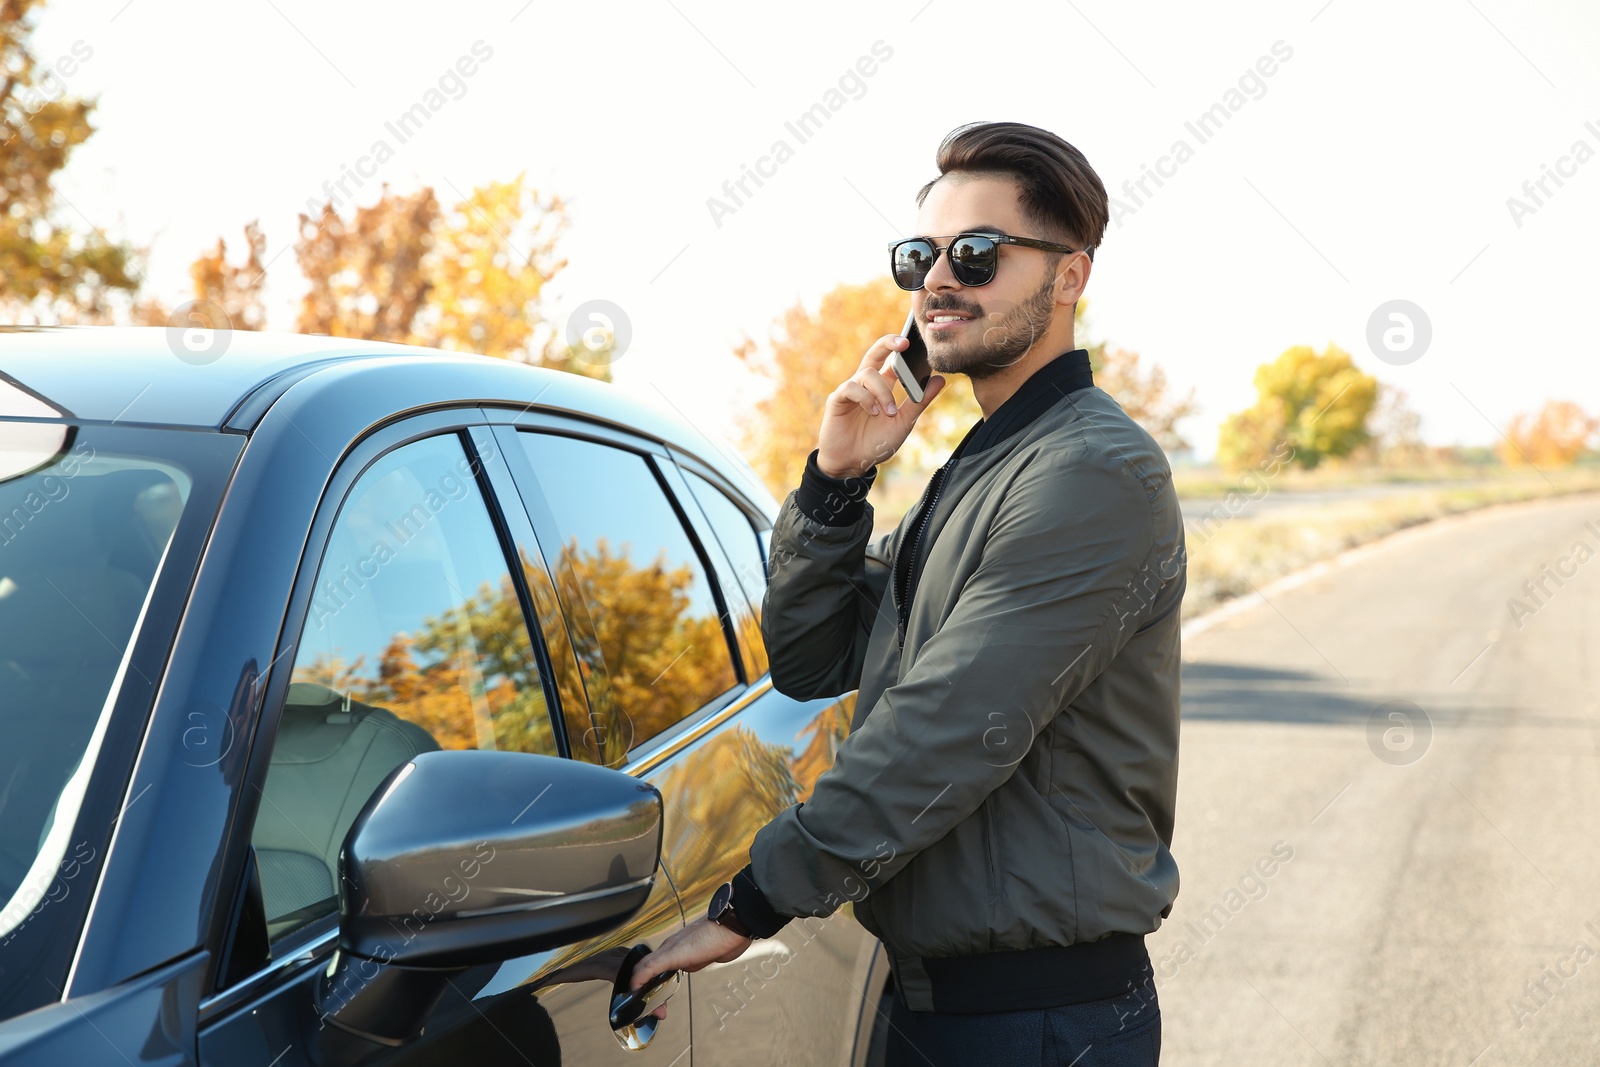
pixel 84 529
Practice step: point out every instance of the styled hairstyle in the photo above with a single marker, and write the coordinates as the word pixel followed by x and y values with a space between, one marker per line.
pixel 1060 192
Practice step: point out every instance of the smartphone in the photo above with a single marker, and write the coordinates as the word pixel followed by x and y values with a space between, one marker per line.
pixel 911 366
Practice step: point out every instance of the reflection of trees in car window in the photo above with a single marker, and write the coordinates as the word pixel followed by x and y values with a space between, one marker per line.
pixel 422 676
pixel 657 659
pixel 826 733
pixel 648 626
pixel 415 610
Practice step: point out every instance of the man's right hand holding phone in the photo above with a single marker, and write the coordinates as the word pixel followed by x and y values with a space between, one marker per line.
pixel 862 424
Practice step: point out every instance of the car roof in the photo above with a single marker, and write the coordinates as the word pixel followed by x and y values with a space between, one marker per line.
pixel 143 375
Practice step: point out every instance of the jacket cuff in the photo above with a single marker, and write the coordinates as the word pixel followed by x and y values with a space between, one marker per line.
pixel 753 908
pixel 832 501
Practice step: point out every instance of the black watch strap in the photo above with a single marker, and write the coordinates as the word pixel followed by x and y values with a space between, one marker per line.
pixel 723 912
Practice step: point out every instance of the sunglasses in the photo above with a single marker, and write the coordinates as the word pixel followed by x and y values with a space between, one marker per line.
pixel 974 257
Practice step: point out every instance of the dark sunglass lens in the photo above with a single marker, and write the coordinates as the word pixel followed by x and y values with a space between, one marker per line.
pixel 972 260
pixel 911 261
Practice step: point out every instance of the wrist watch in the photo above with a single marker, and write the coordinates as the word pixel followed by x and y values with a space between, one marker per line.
pixel 721 911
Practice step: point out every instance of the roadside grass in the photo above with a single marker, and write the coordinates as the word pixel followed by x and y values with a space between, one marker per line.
pixel 1245 548
pixel 1211 482
pixel 1228 558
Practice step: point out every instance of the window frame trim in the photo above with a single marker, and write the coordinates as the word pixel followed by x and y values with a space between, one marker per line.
pixel 724 573
pixel 761 523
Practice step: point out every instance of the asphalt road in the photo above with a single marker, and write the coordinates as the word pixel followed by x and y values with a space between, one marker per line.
pixel 1418 898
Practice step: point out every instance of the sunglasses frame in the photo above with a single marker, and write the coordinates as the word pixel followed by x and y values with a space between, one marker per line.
pixel 997 238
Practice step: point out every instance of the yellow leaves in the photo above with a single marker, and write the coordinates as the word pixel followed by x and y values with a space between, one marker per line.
pixel 1559 433
pixel 1316 404
pixel 659 660
pixel 49 270
pixel 236 290
pixel 366 273
pixel 492 255
pixel 468 278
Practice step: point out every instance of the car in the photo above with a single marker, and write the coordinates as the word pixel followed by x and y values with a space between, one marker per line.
pixel 365 703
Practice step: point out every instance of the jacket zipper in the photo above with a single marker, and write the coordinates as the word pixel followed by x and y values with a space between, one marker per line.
pixel 903 601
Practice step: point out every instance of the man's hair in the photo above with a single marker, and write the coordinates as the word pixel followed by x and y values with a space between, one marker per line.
pixel 1060 192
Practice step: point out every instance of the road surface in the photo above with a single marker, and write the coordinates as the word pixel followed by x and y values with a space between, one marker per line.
pixel 1357 891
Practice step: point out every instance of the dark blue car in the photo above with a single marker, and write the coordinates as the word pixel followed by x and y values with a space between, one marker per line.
pixel 369 704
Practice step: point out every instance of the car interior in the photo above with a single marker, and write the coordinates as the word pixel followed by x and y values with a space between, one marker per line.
pixel 330 754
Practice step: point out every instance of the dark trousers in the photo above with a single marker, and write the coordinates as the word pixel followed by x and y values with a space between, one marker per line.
pixel 1123 1031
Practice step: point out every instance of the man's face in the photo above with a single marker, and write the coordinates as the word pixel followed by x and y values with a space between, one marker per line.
pixel 1003 319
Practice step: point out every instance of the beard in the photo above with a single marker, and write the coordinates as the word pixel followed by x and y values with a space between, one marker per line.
pixel 1004 339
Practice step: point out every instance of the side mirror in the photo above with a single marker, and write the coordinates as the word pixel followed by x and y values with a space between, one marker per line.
pixel 462 858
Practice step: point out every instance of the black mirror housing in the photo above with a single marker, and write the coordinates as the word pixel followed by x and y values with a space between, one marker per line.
pixel 462 858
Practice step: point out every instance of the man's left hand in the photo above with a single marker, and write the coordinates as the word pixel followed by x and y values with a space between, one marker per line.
pixel 700 943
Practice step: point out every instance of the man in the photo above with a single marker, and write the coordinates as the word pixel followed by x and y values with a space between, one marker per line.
pixel 1002 811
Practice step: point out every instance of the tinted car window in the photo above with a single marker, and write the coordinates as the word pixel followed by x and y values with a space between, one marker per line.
pixel 414 641
pixel 631 571
pixel 81 537
pixel 743 547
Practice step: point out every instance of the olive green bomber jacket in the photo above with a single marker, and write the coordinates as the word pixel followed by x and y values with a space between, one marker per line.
pixel 1010 777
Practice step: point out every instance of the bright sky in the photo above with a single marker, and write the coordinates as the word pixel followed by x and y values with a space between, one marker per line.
pixel 1374 163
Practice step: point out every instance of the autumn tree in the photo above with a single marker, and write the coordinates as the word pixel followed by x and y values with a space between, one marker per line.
pixel 1139 388
pixel 1317 404
pixel 824 735
pixel 754 782
pixel 491 258
pixel 1395 430
pixel 1557 434
pixel 236 290
pixel 366 272
pixel 1142 391
pixel 50 270
pixel 468 278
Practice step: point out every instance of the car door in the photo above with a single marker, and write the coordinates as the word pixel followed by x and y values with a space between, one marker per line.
pixel 829 974
pixel 666 627
pixel 411 632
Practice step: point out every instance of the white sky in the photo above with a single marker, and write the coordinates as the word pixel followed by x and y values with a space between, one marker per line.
pixel 1376 165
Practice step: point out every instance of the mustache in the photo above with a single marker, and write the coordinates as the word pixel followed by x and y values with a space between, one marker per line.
pixel 934 305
